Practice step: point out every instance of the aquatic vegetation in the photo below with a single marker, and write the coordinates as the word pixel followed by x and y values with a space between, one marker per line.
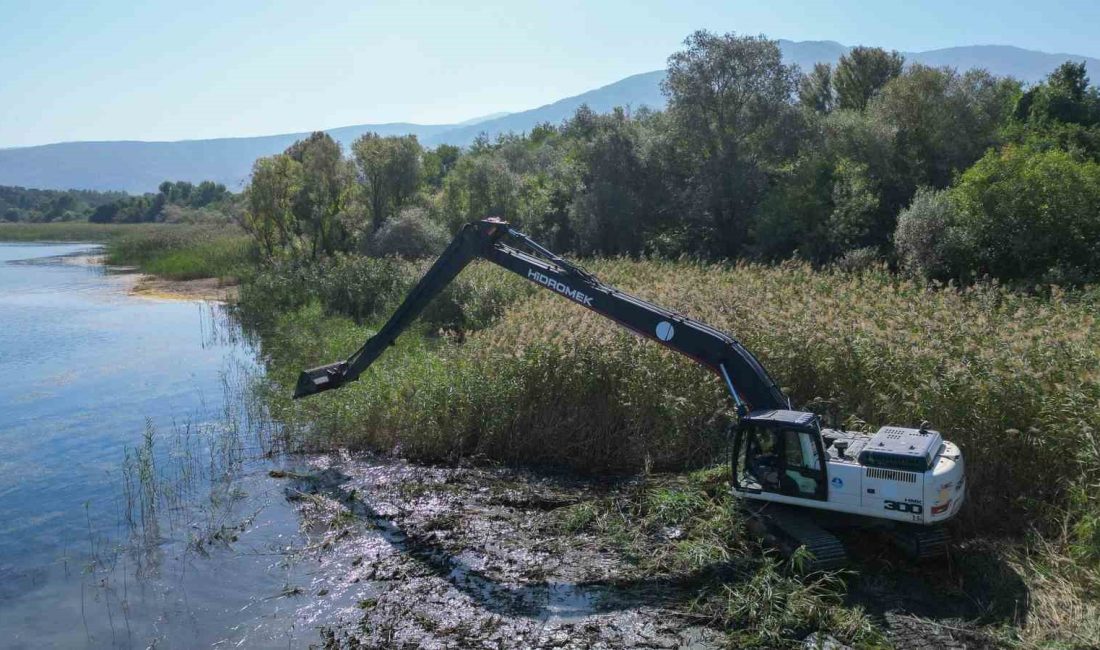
pixel 183 252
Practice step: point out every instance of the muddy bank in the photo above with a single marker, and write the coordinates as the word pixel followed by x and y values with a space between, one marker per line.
pixel 445 557
pixel 438 557
pixel 211 289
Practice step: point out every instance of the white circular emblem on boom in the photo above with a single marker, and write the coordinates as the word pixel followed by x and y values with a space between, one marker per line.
pixel 665 330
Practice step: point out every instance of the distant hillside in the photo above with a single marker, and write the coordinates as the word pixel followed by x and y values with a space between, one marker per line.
pixel 1004 60
pixel 140 166
pixel 635 91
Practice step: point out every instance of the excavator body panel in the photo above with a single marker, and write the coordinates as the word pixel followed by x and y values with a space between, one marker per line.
pixel 785 457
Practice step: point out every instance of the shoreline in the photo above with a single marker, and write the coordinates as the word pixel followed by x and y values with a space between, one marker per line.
pixel 145 285
pixel 205 289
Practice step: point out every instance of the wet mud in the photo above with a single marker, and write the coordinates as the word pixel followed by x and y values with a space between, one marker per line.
pixel 467 557
pixel 407 556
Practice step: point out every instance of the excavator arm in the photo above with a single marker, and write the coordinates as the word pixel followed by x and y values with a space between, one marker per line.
pixel 750 386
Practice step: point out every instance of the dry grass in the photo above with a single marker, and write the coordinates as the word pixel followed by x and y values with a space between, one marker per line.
pixel 1064 597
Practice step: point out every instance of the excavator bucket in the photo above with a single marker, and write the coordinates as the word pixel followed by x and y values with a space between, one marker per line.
pixel 321 378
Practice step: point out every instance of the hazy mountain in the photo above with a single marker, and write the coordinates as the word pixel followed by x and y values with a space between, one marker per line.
pixel 140 166
pixel 1004 60
pixel 482 118
pixel 635 92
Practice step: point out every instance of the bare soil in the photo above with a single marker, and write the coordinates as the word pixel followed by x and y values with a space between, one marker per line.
pixel 210 289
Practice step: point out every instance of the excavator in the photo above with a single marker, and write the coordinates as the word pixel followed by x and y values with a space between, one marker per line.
pixel 800 481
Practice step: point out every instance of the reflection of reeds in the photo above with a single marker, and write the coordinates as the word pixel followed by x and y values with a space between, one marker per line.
pixel 164 476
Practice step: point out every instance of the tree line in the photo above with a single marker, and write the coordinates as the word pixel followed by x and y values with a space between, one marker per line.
pixel 33 205
pixel 173 202
pixel 945 174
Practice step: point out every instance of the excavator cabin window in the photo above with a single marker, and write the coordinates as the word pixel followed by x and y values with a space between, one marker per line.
pixel 780 460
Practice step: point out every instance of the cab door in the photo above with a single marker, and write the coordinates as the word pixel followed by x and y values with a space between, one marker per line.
pixel 776 460
pixel 803 465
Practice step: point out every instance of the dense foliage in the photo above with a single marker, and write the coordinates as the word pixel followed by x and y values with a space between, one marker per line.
pixel 751 160
pixel 30 205
pixel 174 202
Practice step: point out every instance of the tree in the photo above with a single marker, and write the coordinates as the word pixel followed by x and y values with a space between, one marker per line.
pixel 609 214
pixel 388 173
pixel 862 72
pixel 943 121
pixel 411 234
pixel 324 193
pixel 853 222
pixel 439 162
pixel 1032 215
pixel 815 90
pixel 270 218
pixel 730 104
pixel 928 240
pixel 480 186
pixel 1063 112
pixel 1065 96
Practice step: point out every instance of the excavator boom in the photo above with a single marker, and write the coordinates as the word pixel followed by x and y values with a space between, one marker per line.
pixel 750 386
pixel 799 477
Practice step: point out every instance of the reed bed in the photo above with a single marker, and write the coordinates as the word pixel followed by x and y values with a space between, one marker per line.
pixel 184 252
pixel 1011 377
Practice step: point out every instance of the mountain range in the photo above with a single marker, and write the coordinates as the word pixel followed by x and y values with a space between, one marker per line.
pixel 136 166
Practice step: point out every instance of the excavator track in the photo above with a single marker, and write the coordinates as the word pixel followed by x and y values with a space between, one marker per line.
pixel 788 529
pixel 921 542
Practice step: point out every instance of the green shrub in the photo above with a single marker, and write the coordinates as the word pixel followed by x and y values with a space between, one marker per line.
pixel 411 235
pixel 928 240
pixel 1032 216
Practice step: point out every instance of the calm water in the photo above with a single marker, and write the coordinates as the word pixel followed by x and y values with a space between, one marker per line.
pixel 87 371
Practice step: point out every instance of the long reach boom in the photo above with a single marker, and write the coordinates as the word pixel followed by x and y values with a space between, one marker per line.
pixel 750 386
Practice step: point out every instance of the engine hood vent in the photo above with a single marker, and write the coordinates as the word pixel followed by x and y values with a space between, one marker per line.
pixel 911 450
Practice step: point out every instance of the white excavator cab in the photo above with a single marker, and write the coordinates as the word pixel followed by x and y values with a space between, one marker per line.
pixel 903 480
pixel 897 474
pixel 782 455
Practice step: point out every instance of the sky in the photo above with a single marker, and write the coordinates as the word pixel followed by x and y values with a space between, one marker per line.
pixel 154 70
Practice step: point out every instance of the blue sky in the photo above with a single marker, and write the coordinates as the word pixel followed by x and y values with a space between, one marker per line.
pixel 158 70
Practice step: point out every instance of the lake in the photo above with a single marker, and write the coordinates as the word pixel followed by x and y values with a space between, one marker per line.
pixel 135 505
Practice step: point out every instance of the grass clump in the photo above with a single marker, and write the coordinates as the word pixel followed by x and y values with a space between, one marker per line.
pixel 686 529
pixel 776 606
pixel 74 231
pixel 183 252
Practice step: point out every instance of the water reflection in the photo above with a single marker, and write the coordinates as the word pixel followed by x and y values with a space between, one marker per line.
pixel 135 506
